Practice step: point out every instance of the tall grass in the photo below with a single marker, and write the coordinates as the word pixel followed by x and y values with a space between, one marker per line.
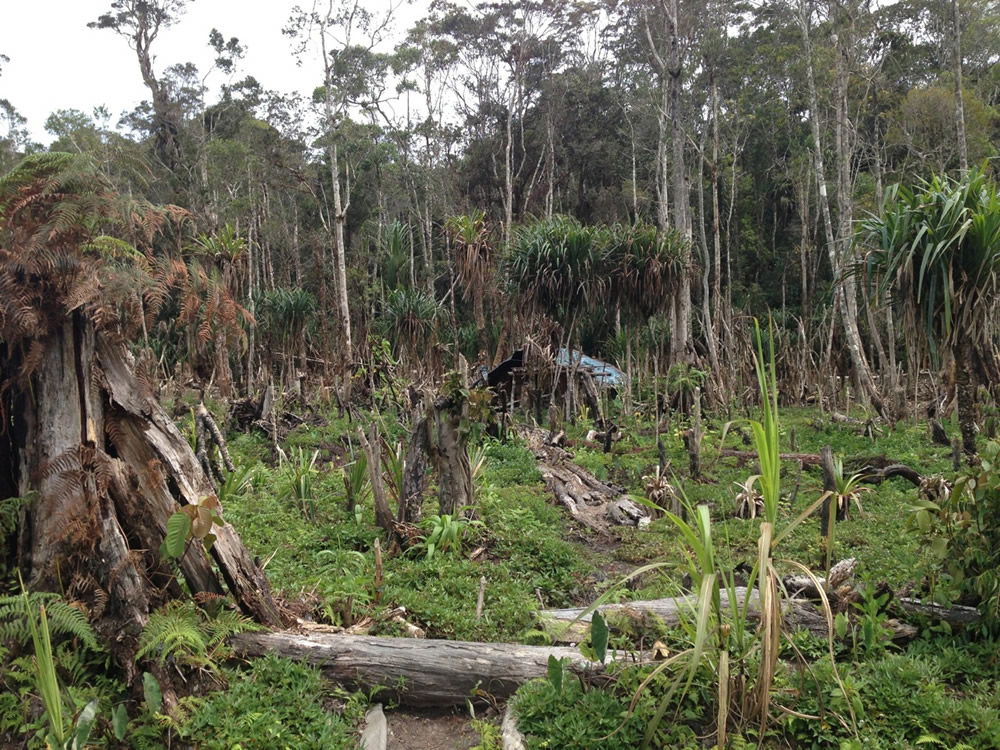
pixel 735 632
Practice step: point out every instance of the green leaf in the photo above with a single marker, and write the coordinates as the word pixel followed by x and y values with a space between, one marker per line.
pixel 840 623
pixel 209 541
pixel 599 636
pixel 151 692
pixel 555 673
pixel 84 725
pixel 178 530
pixel 119 721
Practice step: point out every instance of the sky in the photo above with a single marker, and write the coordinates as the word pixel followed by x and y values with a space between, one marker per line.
pixel 56 62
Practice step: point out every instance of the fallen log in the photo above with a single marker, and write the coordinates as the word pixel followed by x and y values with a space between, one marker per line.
pixel 573 625
pixel 590 501
pixel 510 736
pixel 804 587
pixel 809 459
pixel 954 615
pixel 420 673
pixel 871 473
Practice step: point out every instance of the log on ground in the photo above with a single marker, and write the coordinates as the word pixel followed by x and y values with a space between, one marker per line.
pixel 572 625
pixel 590 501
pixel 418 672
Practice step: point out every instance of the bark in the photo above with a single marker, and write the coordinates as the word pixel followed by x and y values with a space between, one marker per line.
pixel 419 672
pixel 956 615
pixel 809 459
pixel 108 467
pixel 963 148
pixel 373 451
pixel 965 387
pixel 414 476
pixel 448 454
pixel 591 502
pixel 573 624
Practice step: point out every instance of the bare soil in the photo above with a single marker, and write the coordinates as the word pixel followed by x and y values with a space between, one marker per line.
pixel 430 730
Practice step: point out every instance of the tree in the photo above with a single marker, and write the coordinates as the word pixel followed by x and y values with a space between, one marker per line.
pixel 97 463
pixel 938 245
pixel 474 263
pixel 353 76
pixel 140 22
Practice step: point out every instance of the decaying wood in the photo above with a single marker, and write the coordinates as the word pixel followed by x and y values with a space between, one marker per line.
pixel 808 459
pixel 376 732
pixel 871 473
pixel 829 488
pixel 955 614
pixel 208 436
pixel 836 416
pixel 590 501
pixel 373 451
pixel 804 586
pixel 419 673
pixel 572 625
pixel 107 467
pixel 938 434
pixel 181 478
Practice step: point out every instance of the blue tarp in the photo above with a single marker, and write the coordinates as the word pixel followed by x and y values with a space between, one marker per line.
pixel 605 375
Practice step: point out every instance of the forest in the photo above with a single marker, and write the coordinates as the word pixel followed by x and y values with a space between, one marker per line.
pixel 553 374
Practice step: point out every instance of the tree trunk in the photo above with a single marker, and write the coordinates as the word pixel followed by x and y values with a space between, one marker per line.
pixel 965 387
pixel 963 147
pixel 107 467
pixel 680 341
pixel 418 671
pixel 450 458
pixel 573 625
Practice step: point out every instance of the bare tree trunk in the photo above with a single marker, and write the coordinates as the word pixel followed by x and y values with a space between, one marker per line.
pixel 965 387
pixel 680 341
pixel 963 147
pixel 716 218
pixel 340 252
pixel 847 291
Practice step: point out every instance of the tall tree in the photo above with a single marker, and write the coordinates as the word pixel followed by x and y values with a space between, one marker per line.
pixel 347 37
pixel 140 22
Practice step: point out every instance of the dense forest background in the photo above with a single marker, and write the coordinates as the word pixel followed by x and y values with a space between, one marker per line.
pixel 629 176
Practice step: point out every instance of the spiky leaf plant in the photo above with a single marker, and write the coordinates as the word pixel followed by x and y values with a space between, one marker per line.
pixel 935 249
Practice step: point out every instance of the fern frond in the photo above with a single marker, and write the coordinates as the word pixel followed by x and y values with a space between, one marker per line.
pixel 225 624
pixel 174 631
pixel 65 620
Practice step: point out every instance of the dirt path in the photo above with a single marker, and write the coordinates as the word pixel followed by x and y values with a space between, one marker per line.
pixel 431 730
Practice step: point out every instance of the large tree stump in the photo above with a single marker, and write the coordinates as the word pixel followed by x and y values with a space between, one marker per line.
pixel 107 467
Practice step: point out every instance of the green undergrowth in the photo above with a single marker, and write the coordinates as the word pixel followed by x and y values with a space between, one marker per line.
pixel 329 558
pixel 940 691
pixel 274 703
pixel 863 535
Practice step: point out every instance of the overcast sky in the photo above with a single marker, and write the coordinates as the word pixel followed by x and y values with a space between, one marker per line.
pixel 56 62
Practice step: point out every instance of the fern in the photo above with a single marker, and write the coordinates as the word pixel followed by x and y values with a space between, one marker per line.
pixel 174 631
pixel 64 619
pixel 10 511
pixel 184 633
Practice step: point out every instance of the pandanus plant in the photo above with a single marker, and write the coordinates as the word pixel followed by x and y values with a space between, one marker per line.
pixel 935 248
pixel 474 259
